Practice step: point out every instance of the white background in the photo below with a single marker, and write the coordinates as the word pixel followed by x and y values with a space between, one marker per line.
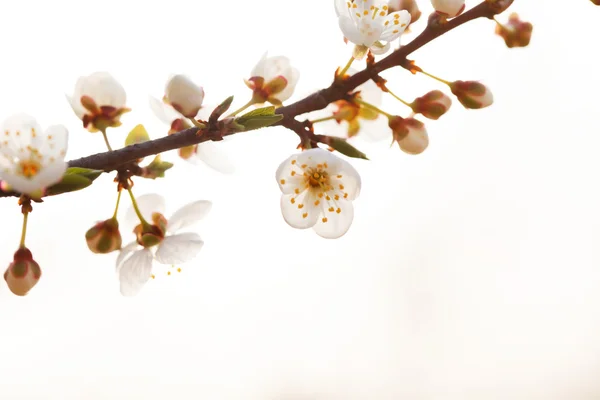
pixel 471 271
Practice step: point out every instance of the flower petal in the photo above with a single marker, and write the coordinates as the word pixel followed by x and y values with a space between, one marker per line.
pixel 289 176
pixel 164 112
pixel 135 272
pixel 259 68
pixel 290 87
pixel 350 30
pixel 76 106
pixel 210 154
pixel 188 215
pixel 148 204
pixel 300 211
pixel 53 143
pixel 50 174
pixel 316 156
pixel 334 224
pixel 346 182
pixel 178 249
pixel 124 253
pixel 102 88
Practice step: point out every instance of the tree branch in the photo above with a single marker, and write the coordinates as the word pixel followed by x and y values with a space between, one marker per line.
pixel 112 160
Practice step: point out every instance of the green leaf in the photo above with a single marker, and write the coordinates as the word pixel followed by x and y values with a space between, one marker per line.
pixel 220 110
pixel 260 121
pixel 259 112
pixel 68 183
pixel 91 174
pixel 138 134
pixel 345 148
pixel 156 169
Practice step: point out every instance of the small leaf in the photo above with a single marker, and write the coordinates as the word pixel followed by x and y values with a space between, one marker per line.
pixel 259 112
pixel 220 110
pixel 156 169
pixel 91 174
pixel 68 183
pixel 261 121
pixel 138 134
pixel 345 148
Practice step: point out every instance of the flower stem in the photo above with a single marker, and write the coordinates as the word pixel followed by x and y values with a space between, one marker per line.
pixel 346 68
pixel 137 209
pixel 106 139
pixel 242 108
pixel 371 106
pixel 24 230
pixel 197 124
pixel 399 99
pixel 316 121
pixel 435 77
pixel 117 206
pixel 499 23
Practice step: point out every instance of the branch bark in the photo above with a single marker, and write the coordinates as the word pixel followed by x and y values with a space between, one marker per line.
pixel 112 160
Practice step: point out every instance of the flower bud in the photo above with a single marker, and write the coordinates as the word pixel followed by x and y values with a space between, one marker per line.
pixel 596 2
pixel 472 94
pixel 408 5
pixel 184 95
pixel 273 79
pixel 151 235
pixel 410 134
pixel 23 273
pixel 104 237
pixel 432 105
pixel 451 8
pixel 515 32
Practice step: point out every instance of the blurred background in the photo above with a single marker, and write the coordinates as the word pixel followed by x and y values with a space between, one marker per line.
pixel 471 271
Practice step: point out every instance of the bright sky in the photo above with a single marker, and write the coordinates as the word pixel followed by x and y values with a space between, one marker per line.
pixel 470 271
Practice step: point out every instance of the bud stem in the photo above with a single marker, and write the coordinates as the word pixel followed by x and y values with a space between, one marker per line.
pixel 137 209
pixel 399 99
pixel 316 121
pixel 346 68
pixel 242 108
pixel 435 77
pixel 117 206
pixel 23 230
pixel 103 130
pixel 371 106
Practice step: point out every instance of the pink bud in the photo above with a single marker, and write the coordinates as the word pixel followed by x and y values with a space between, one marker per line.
pixel 23 273
pixel 515 32
pixel 432 105
pixel 472 94
pixel 410 134
pixel 104 237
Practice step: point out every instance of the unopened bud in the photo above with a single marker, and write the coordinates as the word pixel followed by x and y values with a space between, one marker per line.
pixel 515 32
pixel 104 237
pixel 184 95
pixel 23 273
pixel 408 5
pixel 432 105
pixel 451 8
pixel 410 134
pixel 472 94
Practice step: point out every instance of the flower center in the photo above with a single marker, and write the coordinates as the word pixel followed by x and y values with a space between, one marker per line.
pixel 29 168
pixel 316 177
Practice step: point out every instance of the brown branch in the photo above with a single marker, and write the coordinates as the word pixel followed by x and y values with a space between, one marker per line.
pixel 110 161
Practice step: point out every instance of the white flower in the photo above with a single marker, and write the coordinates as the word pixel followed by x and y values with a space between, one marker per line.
pixel 134 264
pixel 318 188
pixel 207 152
pixel 31 159
pixel 354 119
pixel 99 101
pixel 449 7
pixel 184 95
pixel 368 25
pixel 273 79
